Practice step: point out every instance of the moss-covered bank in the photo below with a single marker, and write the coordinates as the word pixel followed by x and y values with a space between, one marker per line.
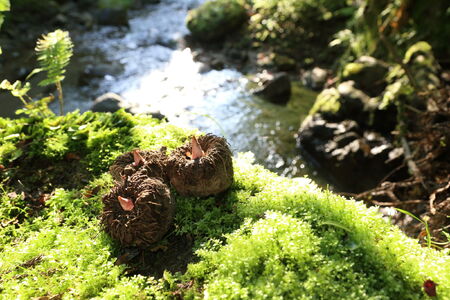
pixel 266 237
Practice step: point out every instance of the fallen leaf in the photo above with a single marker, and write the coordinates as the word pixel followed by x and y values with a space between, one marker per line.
pixel 72 156
pixel 429 287
pixel 43 198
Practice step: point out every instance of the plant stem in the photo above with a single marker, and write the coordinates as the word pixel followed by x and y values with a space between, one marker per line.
pixel 60 98
pixel 23 101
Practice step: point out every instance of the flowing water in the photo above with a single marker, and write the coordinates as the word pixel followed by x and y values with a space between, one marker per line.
pixel 148 67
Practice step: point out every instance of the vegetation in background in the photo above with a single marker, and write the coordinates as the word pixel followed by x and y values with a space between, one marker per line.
pixel 4 7
pixel 214 19
pixel 298 28
pixel 54 51
pixel 53 54
pixel 401 22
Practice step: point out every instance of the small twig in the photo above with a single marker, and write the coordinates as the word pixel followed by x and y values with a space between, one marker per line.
pixel 398 203
pixel 391 173
pixel 433 197
pixel 410 162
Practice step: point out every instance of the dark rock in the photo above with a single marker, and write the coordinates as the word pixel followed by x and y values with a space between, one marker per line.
pixel 217 64
pixel 91 72
pixel 157 115
pixel 343 102
pixel 274 87
pixel 204 68
pixel 353 159
pixel 368 73
pixel 314 79
pixel 109 102
pixel 112 17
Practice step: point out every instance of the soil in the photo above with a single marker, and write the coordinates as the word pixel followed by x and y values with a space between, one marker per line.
pixel 426 193
pixel 174 256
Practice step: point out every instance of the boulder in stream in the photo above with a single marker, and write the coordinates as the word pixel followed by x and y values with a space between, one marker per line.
pixel 354 159
pixel 109 102
pixel 276 88
pixel 368 73
pixel 314 79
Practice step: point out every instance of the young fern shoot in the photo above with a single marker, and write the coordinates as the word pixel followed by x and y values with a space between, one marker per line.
pixel 54 51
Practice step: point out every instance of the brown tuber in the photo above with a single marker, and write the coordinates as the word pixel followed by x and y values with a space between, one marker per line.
pixel 139 211
pixel 201 168
pixel 127 164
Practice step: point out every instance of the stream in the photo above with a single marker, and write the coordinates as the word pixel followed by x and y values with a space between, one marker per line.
pixel 149 67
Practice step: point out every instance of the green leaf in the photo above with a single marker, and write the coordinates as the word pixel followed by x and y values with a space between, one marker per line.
pixel 410 214
pixel 34 72
pixel 5 5
pixel 54 51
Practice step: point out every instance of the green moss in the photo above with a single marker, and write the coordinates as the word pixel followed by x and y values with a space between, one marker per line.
pixel 327 102
pixel 266 237
pixel 214 19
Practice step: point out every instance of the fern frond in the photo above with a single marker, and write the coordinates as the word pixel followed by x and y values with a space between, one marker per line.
pixel 54 51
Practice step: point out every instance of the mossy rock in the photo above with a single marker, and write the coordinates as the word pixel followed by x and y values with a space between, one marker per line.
pixel 215 19
pixel 327 102
pixel 368 73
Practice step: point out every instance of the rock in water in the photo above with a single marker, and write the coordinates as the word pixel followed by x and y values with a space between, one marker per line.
pixel 368 73
pixel 356 160
pixel 109 102
pixel 151 214
pixel 314 79
pixel 204 176
pixel 274 87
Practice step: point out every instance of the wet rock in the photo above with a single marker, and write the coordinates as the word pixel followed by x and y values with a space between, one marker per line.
pixel 157 115
pixel 215 19
pixel 356 160
pixel 343 102
pixel 109 102
pixel 204 68
pixel 91 72
pixel 368 74
pixel 314 79
pixel 276 88
pixel 111 17
pixel 348 102
pixel 217 64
